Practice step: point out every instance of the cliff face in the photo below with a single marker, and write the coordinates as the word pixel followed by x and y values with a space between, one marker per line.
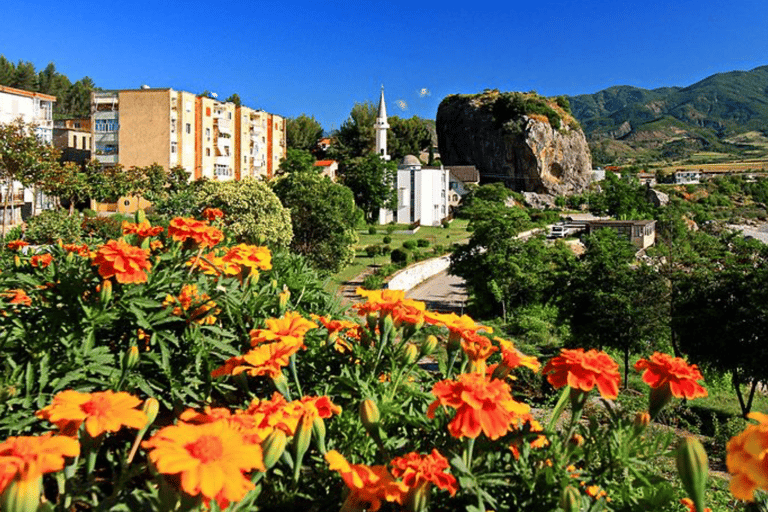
pixel 529 142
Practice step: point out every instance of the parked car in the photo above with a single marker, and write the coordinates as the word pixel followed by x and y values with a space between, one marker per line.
pixel 559 231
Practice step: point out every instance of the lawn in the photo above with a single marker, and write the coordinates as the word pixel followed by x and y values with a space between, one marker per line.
pixel 456 232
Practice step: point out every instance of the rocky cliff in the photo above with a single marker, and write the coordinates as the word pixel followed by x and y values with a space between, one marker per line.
pixel 531 143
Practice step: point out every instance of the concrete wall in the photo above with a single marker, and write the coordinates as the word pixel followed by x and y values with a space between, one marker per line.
pixel 145 128
pixel 415 274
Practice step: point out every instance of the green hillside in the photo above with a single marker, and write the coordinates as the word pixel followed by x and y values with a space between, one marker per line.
pixel 677 123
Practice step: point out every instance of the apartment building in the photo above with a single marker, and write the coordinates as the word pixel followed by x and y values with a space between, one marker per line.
pixel 36 109
pixel 209 138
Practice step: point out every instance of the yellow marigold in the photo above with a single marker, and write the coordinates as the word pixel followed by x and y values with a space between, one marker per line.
pixel 210 459
pixel 747 458
pixel 104 411
pixel 249 256
pixel 27 458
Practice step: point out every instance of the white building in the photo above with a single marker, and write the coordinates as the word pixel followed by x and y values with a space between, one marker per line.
pixel 36 109
pixel 422 194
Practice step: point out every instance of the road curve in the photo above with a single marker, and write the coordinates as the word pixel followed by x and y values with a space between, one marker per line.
pixel 442 292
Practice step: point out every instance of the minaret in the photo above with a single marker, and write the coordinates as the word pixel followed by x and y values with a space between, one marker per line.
pixel 381 127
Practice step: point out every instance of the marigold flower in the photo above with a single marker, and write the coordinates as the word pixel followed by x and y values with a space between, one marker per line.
pixel 81 250
pixel 180 229
pixel 195 305
pixel 583 370
pixel 15 245
pixel 104 411
pixel 143 229
pixel 266 359
pixel 528 425
pixel 210 459
pixel 41 260
pixel 369 486
pixel 688 502
pixel 155 245
pixel 421 470
pixel 408 311
pixel 481 405
pixel 477 348
pixel 457 325
pixel 214 265
pixel 27 458
pixel 252 428
pixel 249 256
pixel 512 358
pixel 128 264
pixel 747 458
pixel 211 214
pixel 595 491
pixel 663 370
pixel 289 329
pixel 384 302
pixel 18 296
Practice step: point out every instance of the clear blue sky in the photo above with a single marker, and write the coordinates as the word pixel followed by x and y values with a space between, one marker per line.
pixel 321 57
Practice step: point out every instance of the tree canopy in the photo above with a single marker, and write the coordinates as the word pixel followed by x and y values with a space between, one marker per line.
pixel 372 181
pixel 302 132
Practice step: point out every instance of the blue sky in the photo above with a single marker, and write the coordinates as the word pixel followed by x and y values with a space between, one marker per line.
pixel 321 57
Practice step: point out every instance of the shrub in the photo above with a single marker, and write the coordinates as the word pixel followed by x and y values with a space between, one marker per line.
pixel 386 249
pixel 373 282
pixel 390 229
pixel 409 244
pixel 52 225
pixel 252 212
pixel 371 230
pixel 104 228
pixel 400 256
pixel 422 242
pixel 372 250
pixel 14 233
pixel 387 239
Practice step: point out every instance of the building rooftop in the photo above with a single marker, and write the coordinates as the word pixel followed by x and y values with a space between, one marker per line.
pixel 29 94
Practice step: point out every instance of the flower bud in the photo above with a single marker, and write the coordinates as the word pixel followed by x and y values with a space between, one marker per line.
pixel 642 420
pixel 410 354
pixel 429 345
pixel 281 384
pixel 22 495
pixel 16 261
pixel 693 468
pixel 570 499
pixel 106 291
pixel 140 216
pixel 301 439
pixel 369 415
pixel 318 432
pixel 151 407
pixel 273 447
pixel 283 298
pixel 577 440
pixel 131 357
pixel 658 399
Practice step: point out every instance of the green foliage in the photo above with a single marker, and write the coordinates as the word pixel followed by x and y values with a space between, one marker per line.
pixel 303 132
pixel 323 216
pixel 422 242
pixel 371 230
pixel 400 256
pixel 356 136
pixel 509 108
pixel 50 226
pixel 102 228
pixel 387 239
pixel 252 211
pixel 373 282
pixel 297 160
pixel 407 137
pixel 622 198
pixel 372 181
pixel 409 244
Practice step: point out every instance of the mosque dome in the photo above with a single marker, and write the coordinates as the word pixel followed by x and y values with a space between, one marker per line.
pixel 410 161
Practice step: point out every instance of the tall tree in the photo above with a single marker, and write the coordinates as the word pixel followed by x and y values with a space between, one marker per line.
pixel 25 77
pixel 356 136
pixel 297 160
pixel 372 181
pixel 323 214
pixel 77 101
pixel 407 137
pixel 303 132
pixel 7 70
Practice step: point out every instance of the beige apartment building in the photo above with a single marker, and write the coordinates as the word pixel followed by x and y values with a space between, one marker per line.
pixel 209 138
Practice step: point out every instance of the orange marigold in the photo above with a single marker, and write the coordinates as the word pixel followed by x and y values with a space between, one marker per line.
pixel 211 214
pixel 193 304
pixel 104 411
pixel 482 405
pixel 211 459
pixel 143 229
pixel 511 357
pixel 18 296
pixel 41 260
pixel 688 502
pixel 457 325
pixel 673 372
pixel 29 457
pixel 181 229
pixel 382 301
pixel 289 329
pixel 214 265
pixel 15 245
pixel 747 458
pixel 267 359
pixel 369 486
pixel 128 264
pixel 249 256
pixel 583 370
pixel 477 348
pixel 81 250
pixel 421 470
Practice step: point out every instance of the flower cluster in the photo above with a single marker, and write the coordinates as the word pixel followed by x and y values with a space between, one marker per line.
pixel 197 307
pixel 182 229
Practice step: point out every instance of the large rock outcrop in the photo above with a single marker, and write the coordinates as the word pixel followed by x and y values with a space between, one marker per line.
pixel 530 143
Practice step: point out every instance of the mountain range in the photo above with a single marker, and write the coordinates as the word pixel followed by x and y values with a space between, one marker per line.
pixel 724 116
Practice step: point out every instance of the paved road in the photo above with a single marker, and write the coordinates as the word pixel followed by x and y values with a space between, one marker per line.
pixel 442 292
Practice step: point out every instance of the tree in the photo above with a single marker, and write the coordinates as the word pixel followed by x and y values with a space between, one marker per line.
pixel 7 70
pixel 23 157
pixel 25 77
pixel 77 100
pixel 66 181
pixel 297 160
pixel 613 303
pixel 323 215
pixel 303 132
pixel 252 212
pixel 372 181
pixel 234 98
pixel 623 198
pixel 356 136
pixel 407 137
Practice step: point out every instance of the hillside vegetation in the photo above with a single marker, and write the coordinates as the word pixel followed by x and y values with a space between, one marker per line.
pixel 625 123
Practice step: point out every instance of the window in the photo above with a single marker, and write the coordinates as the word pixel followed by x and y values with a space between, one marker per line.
pixel 85 144
pixel 174 147
pixel 229 115
pixel 75 140
pixel 207 151
pixel 188 106
pixel 173 126
pixel 106 125
pixel 245 159
pixel 208 133
pixel 189 128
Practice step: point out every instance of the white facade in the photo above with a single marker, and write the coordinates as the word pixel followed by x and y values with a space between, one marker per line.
pixel 381 126
pixel 422 195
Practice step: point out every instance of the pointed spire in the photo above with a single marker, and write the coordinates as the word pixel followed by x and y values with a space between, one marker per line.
pixel 382 105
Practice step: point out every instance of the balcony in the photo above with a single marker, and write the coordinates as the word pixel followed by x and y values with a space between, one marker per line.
pixel 106 159
pixel 225 126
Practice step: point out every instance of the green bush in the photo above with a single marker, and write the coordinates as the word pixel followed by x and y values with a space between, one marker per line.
pixel 422 242
pixel 104 228
pixel 372 250
pixel 387 239
pixel 14 233
pixel 400 256
pixel 51 226
pixel 390 229
pixel 371 230
pixel 373 282
pixel 386 249
pixel 409 244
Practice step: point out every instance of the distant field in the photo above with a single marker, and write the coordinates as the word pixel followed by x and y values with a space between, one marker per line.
pixel 722 166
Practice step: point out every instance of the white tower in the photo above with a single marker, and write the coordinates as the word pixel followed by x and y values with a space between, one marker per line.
pixel 381 127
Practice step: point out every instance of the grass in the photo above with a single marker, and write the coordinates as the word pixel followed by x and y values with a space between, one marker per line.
pixel 456 232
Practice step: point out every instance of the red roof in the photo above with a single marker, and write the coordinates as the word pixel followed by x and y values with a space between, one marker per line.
pixel 324 163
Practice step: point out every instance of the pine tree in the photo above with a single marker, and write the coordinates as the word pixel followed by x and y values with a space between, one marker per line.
pixel 7 70
pixel 25 77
